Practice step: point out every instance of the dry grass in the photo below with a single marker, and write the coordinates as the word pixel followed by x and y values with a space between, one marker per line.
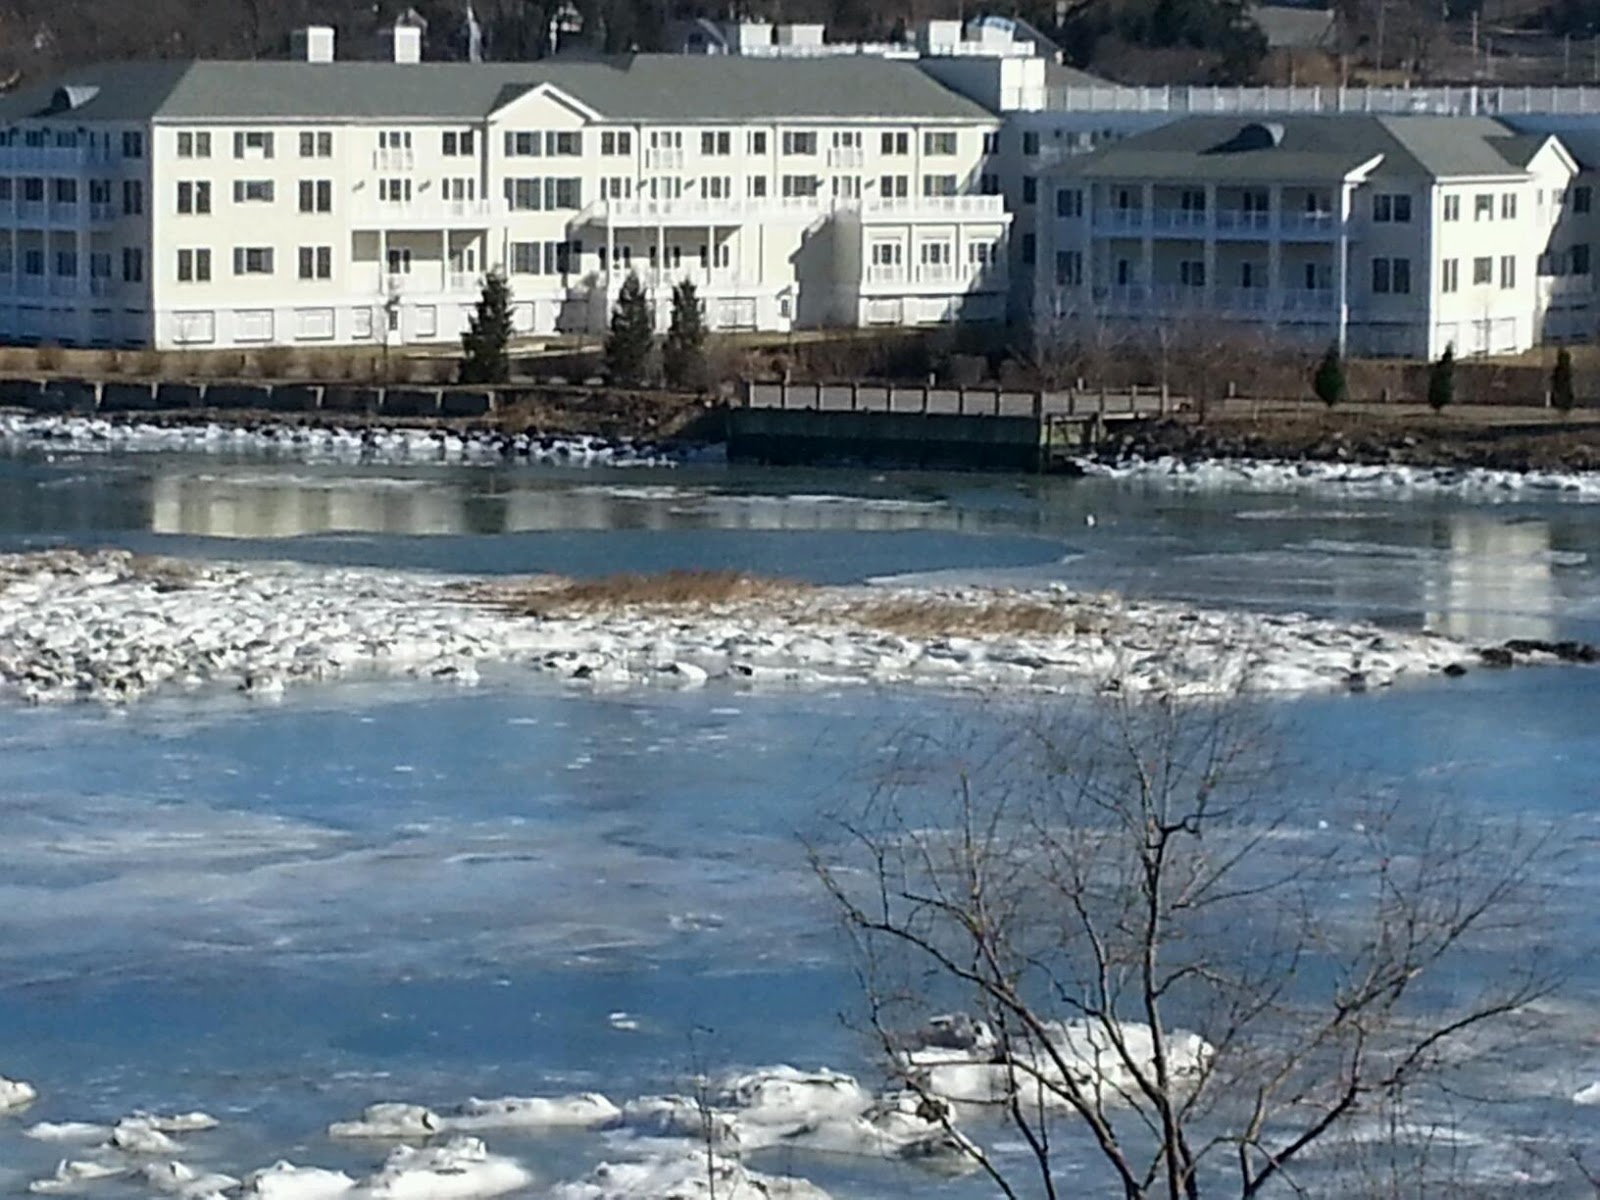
pixel 948 616
pixel 670 591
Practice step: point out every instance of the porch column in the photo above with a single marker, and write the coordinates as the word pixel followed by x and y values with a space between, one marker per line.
pixel 444 260
pixel 1208 247
pixel 1147 266
pixel 1275 252
pixel 1341 272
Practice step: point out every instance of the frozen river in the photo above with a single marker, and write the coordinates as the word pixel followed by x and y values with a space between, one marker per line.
pixel 280 913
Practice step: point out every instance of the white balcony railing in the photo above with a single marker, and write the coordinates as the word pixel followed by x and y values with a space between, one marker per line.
pixel 31 211
pixel 1243 220
pixel 1318 224
pixel 63 285
pixel 986 207
pixel 393 160
pixel 50 158
pixel 847 157
pixel 379 213
pixel 663 159
pixel 945 275
pixel 1178 218
pixel 102 212
pixel 1118 219
pixel 101 285
pixel 463 281
pixel 63 214
pixel 32 285
pixel 1307 300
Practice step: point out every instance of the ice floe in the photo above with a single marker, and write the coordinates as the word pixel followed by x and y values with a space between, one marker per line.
pixel 111 626
pixel 398 1121
pixel 72 1175
pixel 461 1169
pixel 323 443
pixel 67 1131
pixel 177 1179
pixel 1588 1095
pixel 285 1181
pixel 688 1175
pixel 15 1094
pixel 1271 475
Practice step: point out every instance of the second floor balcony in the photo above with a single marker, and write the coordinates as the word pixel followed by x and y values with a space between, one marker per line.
pixel 1222 224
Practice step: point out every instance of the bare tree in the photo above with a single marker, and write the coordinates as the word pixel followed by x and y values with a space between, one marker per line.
pixel 1158 953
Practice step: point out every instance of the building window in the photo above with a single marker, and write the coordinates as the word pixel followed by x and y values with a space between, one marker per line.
pixel 1192 273
pixel 895 143
pixel 252 260
pixel 253 191
pixel 988 184
pixel 1030 249
pixel 194 196
pixel 717 187
pixel 524 195
pixel 1508 270
pixel 563 144
pixel 938 185
pixel 1192 200
pixel 616 142
pixel 801 185
pixel 132 144
pixel 1069 202
pixel 132 264
pixel 1483 270
pixel 525 258
pixel 522 144
pixel 894 187
pixel 799 143
pixel 1449 275
pixel 132 197
pixel 194 266
pixel 315 144
pixel 252 145
pixel 1391 208
pixel 717 143
pixel 1069 268
pixel 316 262
pixel 1255 200
pixel 1582 198
pixel 1452 208
pixel 194 145
pixel 394 191
pixel 887 254
pixel 563 193
pixel 757 187
pixel 67 263
pixel 1579 257
pixel 459 143
pixel 1391 276
pixel 65 191
pixel 1483 207
pixel 316 195
pixel 1030 190
pixel 1508 206
pixel 758 141
pixel 1030 142
pixel 616 187
pixel 939 144
pixel 991 141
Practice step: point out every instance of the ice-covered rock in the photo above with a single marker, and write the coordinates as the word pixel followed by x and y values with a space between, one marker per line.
pixel 461 1169
pixel 178 1179
pixel 133 1135
pixel 685 1176
pixel 71 1176
pixel 1588 1095
pixel 389 1120
pixel 15 1094
pixel 682 1117
pixel 285 1181
pixel 587 1111
pixel 67 1131
pixel 775 1102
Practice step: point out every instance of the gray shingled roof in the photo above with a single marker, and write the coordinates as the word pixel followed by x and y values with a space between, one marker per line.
pixel 646 87
pixel 1310 149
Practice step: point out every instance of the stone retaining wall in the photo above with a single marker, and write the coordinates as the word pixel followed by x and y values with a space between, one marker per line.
pixel 125 396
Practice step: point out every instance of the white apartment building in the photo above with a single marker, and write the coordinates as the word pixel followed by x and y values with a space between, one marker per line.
pixel 1384 235
pixel 318 202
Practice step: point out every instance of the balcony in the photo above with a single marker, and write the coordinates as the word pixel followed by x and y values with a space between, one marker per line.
pixel 1309 225
pixel 393 160
pixel 1308 300
pixel 846 157
pixel 946 277
pixel 914 208
pixel 50 159
pixel 63 214
pixel 663 159
pixel 463 281
pixel 31 212
pixel 699 211
pixel 63 285
pixel 436 214
pixel 1119 220
pixel 429 278
pixel 101 285
pixel 1186 221
pixel 102 211
pixel 32 285
pixel 1245 221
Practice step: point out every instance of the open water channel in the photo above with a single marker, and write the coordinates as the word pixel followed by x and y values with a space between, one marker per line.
pixel 281 912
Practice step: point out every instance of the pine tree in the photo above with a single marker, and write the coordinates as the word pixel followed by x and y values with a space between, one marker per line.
pixel 683 354
pixel 1328 381
pixel 484 345
pixel 1561 393
pixel 1442 380
pixel 632 335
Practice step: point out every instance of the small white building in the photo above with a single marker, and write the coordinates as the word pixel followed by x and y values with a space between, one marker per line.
pixel 1383 235
pixel 320 202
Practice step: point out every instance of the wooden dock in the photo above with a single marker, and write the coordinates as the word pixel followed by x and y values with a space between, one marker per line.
pixel 891 424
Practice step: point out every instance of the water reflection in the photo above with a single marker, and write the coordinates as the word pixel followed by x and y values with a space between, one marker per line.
pixel 276 505
pixel 1494 578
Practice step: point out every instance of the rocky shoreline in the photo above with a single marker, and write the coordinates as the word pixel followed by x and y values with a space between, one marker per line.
pixel 114 627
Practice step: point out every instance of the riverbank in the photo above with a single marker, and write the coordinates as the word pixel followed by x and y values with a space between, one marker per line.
pixel 113 627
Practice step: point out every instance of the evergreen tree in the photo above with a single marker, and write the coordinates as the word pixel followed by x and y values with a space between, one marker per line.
pixel 632 335
pixel 1561 394
pixel 483 346
pixel 1442 380
pixel 683 354
pixel 1328 381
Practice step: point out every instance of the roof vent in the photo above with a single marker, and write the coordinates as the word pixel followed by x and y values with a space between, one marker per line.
pixel 71 96
pixel 314 43
pixel 1259 135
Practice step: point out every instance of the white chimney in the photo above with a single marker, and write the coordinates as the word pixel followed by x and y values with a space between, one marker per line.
pixel 314 43
pixel 405 43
